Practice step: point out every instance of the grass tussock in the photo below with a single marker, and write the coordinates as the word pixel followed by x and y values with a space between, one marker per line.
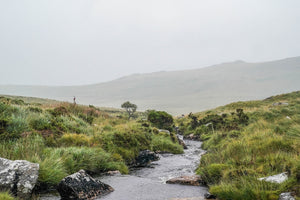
pixel 6 196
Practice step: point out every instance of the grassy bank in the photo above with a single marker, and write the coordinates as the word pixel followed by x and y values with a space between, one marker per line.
pixel 6 196
pixel 64 138
pixel 246 141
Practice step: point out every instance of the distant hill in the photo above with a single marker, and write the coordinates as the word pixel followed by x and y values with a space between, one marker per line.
pixel 180 91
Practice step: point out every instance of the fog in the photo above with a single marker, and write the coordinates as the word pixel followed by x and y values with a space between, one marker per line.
pixel 75 42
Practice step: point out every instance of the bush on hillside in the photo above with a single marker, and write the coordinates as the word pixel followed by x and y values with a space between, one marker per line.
pixel 161 119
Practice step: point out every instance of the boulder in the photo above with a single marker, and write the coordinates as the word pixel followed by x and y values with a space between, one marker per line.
pixel 286 196
pixel 192 137
pixel 194 180
pixel 19 177
pixel 208 195
pixel 113 173
pixel 181 142
pixel 80 185
pixel 278 178
pixel 144 158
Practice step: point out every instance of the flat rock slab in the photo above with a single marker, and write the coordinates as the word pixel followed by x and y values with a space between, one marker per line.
pixel 286 196
pixel 278 178
pixel 80 185
pixel 19 177
pixel 194 180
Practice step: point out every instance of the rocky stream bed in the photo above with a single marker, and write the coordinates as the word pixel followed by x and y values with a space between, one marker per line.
pixel 149 183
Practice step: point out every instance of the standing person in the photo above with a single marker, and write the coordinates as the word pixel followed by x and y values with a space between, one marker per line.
pixel 74 100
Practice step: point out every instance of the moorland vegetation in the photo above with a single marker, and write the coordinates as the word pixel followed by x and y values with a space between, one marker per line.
pixel 64 138
pixel 246 141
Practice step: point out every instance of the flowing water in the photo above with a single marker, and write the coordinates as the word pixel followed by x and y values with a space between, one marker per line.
pixel 150 183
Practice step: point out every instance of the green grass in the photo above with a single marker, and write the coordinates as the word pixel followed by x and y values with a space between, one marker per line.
pixel 268 144
pixel 162 143
pixel 6 196
pixel 64 138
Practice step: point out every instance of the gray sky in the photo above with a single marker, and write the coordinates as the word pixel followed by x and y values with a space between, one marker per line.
pixel 73 42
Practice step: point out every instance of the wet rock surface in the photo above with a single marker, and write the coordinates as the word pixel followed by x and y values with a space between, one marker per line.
pixel 286 196
pixel 181 142
pixel 113 173
pixel 82 186
pixel 207 195
pixel 192 137
pixel 145 158
pixel 194 180
pixel 149 183
pixel 278 178
pixel 19 177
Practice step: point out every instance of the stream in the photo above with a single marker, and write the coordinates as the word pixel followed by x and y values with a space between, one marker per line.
pixel 150 183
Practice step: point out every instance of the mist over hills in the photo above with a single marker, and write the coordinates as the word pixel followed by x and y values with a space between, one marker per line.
pixel 180 92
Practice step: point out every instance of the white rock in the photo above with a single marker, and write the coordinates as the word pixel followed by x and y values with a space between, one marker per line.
pixel 19 176
pixel 278 178
pixel 286 196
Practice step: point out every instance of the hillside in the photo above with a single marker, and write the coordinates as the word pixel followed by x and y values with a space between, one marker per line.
pixel 246 141
pixel 181 91
pixel 64 138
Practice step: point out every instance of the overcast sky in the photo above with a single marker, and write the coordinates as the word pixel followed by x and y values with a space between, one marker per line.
pixel 74 42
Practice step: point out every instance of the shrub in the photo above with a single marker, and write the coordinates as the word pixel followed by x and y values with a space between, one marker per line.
pixel 58 111
pixel 74 140
pixel 40 122
pixel 34 109
pixel 161 119
pixel 3 124
pixel 17 125
pixel 17 102
pixel 165 144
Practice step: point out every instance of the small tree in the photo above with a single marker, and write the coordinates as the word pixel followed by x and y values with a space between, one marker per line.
pixel 130 108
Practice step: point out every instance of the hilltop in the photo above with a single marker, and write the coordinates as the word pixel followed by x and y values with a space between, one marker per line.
pixel 181 92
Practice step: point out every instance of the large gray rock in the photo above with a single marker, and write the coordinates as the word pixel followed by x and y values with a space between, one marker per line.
pixel 80 185
pixel 286 196
pixel 19 177
pixel 144 158
pixel 278 178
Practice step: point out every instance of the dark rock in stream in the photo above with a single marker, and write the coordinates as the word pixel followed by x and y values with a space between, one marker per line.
pixel 208 195
pixel 80 185
pixel 181 142
pixel 144 158
pixel 19 177
pixel 194 180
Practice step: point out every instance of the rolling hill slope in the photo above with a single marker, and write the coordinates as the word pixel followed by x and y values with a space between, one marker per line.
pixel 181 91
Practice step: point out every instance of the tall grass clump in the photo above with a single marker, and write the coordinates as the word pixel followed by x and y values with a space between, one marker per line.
pixel 6 196
pixel 165 144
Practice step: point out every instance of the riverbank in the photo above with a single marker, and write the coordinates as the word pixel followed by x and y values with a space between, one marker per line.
pixel 247 141
pixel 149 183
